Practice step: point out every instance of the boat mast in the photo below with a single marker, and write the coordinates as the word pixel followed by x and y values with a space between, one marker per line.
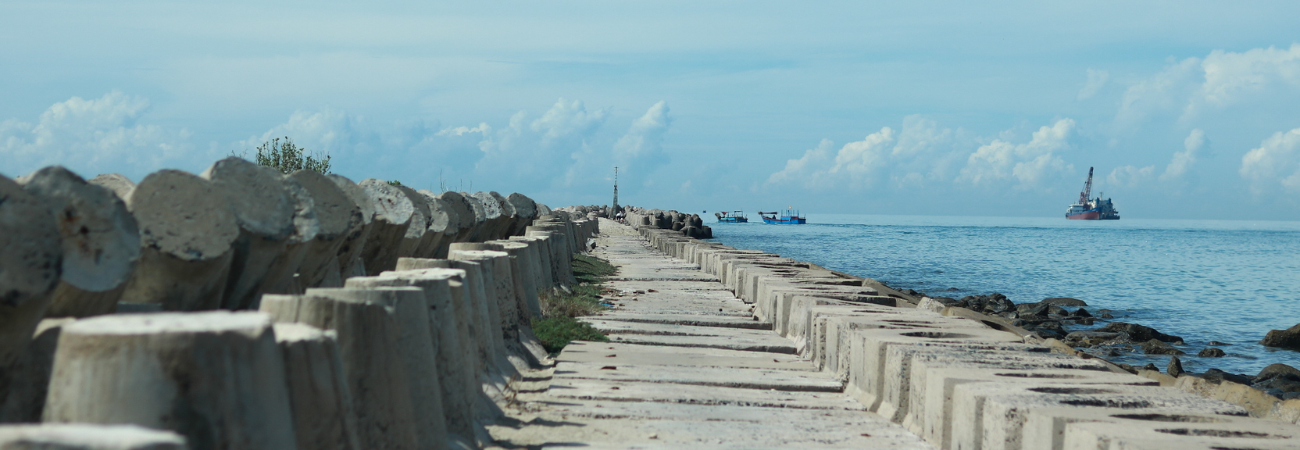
pixel 1087 189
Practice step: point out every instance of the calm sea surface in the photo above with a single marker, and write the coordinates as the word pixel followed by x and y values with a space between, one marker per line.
pixel 1227 281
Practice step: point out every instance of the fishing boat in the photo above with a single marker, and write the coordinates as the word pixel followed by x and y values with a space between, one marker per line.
pixel 789 217
pixel 731 217
pixel 1091 208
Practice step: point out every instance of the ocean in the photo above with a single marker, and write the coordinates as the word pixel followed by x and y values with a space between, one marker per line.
pixel 1202 280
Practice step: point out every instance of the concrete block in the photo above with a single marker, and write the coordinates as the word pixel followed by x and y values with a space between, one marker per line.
pixel 29 377
pixel 337 217
pixel 354 243
pixel 523 268
pixel 264 211
pixel 31 255
pixel 80 436
pixel 525 212
pixel 323 417
pixel 281 277
pixel 499 284
pixel 101 242
pixel 1216 432
pixel 468 222
pixel 417 234
pixel 443 224
pixel 868 351
pixel 994 415
pixel 118 184
pixel 187 233
pixel 215 377
pixel 394 213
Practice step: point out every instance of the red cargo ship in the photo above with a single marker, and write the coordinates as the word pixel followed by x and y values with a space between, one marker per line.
pixel 1091 209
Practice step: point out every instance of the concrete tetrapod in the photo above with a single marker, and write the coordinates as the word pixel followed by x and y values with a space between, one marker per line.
pixel 481 223
pixel 30 262
pixel 525 212
pixel 120 185
pixel 368 339
pixel 264 211
pixel 415 350
pixel 499 283
pixel 443 225
pixel 186 232
pixel 80 436
pixel 394 214
pixel 338 219
pixel 281 278
pixel 101 242
pixel 466 220
pixel 561 257
pixel 471 301
pixel 349 256
pixel 496 218
pixel 456 380
pixel 1180 432
pixel 417 236
pixel 29 378
pixel 215 377
pixel 323 417
pixel 541 253
pixel 523 266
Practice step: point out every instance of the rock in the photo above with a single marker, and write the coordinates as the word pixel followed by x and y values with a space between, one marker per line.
pixel 1050 329
pixel 101 242
pixel 1217 343
pixel 1106 315
pixel 1218 376
pixel 1157 347
pixel 1080 313
pixel 1288 338
pixel 1063 301
pixel 1089 338
pixel 1140 333
pixel 994 303
pixel 1151 367
pixel 1175 367
pixel 1210 352
pixel 1276 369
pixel 1284 383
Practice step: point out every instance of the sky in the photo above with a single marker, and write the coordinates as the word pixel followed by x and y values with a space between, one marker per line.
pixel 1186 109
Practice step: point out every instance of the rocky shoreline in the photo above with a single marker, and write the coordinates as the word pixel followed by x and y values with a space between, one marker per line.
pixel 1050 319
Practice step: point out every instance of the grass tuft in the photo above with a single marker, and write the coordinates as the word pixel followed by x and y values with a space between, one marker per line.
pixel 558 325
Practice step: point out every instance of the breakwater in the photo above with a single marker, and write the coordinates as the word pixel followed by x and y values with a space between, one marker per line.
pixel 962 379
pixel 242 309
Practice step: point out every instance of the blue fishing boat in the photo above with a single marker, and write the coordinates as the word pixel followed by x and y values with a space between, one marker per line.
pixel 788 217
pixel 731 217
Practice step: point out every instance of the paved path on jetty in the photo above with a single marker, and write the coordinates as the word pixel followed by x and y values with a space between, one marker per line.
pixel 687 366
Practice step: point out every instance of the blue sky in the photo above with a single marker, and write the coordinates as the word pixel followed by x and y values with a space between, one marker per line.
pixel 1187 109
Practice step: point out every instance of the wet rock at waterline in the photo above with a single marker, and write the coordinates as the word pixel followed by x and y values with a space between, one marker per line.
pixel 1288 338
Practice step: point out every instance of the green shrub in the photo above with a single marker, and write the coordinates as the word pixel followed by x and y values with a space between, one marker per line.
pixel 287 157
pixel 557 332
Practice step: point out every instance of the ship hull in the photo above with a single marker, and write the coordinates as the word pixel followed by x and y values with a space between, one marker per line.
pixel 785 221
pixel 733 220
pixel 1086 215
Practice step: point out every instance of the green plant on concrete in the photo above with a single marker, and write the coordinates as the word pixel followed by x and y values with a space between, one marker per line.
pixel 394 183
pixel 287 157
pixel 558 325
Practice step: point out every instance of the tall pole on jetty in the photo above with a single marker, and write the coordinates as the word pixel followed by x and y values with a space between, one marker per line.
pixel 615 209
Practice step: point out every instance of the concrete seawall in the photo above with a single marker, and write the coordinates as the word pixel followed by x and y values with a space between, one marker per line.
pixel 243 309
pixel 963 380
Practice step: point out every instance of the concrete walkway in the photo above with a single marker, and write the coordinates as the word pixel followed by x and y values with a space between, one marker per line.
pixel 687 366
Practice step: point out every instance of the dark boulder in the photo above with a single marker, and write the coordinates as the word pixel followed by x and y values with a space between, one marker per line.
pixel 1089 338
pixel 1211 352
pixel 1139 333
pixel 1063 301
pixel 1175 367
pixel 1151 367
pixel 994 303
pixel 1050 330
pixel 1280 385
pixel 1219 376
pixel 1080 313
pixel 1288 338
pixel 1217 343
pixel 1156 347
pixel 1274 370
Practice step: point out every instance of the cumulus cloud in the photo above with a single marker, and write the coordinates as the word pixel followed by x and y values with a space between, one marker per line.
pixel 1096 80
pixel 1275 162
pixel 1184 160
pixel 641 149
pixel 920 151
pixel 91 136
pixel 1129 176
pixel 1027 164
pixel 536 151
pixel 1193 86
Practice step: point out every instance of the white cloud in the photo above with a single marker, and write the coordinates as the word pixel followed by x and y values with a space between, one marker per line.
pixel 1165 92
pixel 1096 80
pixel 1129 176
pixel 1184 160
pixel 91 137
pixel 920 151
pixel 641 150
pixel 1027 163
pixel 1231 76
pixel 1276 161
pixel 801 169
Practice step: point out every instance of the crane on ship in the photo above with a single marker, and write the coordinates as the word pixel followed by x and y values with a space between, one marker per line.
pixel 1089 208
pixel 1087 189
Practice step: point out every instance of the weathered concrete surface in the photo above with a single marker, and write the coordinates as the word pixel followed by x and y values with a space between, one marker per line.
pixel 687 368
pixel 51 436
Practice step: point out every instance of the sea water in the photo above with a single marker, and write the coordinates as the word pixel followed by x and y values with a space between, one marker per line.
pixel 1202 280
